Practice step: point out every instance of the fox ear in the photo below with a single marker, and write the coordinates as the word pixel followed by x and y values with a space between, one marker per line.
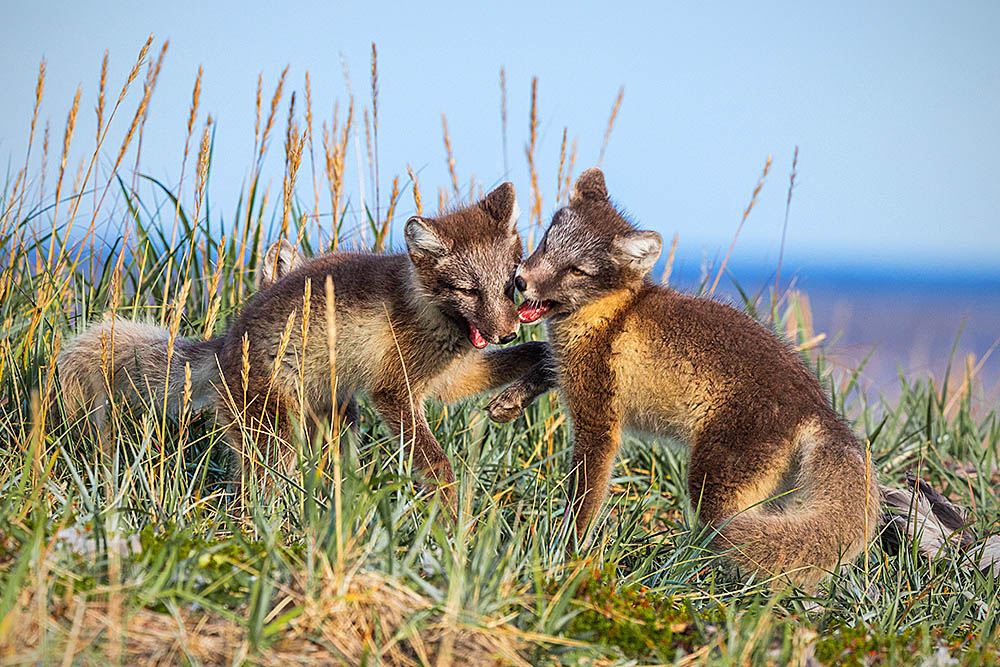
pixel 637 251
pixel 421 239
pixel 590 185
pixel 279 260
pixel 501 205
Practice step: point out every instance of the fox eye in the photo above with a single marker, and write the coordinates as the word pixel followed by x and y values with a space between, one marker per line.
pixel 577 271
pixel 467 291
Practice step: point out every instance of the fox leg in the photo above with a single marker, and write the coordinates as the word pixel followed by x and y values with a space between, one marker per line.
pixel 347 407
pixel 596 435
pixel 728 474
pixel 262 435
pixel 477 373
pixel 596 441
pixel 406 419
pixel 510 402
pixel 729 480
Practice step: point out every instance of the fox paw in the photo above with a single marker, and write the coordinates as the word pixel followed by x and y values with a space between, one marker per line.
pixel 506 405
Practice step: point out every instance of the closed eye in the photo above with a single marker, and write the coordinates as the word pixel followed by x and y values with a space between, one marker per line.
pixel 467 291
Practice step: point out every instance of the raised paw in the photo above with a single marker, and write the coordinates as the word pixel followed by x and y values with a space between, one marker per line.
pixel 506 405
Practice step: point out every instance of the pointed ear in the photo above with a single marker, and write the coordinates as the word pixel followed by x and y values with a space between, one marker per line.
pixel 590 185
pixel 422 240
pixel 501 205
pixel 637 251
pixel 279 260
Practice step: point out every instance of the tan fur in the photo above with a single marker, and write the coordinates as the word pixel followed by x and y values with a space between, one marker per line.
pixel 637 356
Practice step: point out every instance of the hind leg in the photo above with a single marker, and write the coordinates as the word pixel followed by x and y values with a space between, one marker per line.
pixel 729 481
pixel 261 441
pixel 347 410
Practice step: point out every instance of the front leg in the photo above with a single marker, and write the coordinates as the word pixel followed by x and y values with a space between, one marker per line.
pixel 596 439
pixel 476 373
pixel 405 416
pixel 510 402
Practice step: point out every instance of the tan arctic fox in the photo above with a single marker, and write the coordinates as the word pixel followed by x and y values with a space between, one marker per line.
pixel 407 328
pixel 634 355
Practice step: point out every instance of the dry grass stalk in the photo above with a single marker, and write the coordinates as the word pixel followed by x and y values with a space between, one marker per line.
pixel 369 154
pixel 670 261
pixel 567 184
pixel 312 155
pixel 375 127
pixel 201 172
pixel 67 139
pixel 451 157
pixel 192 115
pixel 475 190
pixel 746 212
pixel 383 231
pixel 256 124
pixel 535 218
pixel 416 190
pixel 100 98
pixel 215 299
pixel 293 159
pixel 134 72
pixel 611 124
pixel 45 163
pixel 306 308
pixel 275 100
pixel 562 160
pixel 335 151
pixel 22 178
pixel 784 229
pixel 334 442
pixel 152 74
pixel 972 370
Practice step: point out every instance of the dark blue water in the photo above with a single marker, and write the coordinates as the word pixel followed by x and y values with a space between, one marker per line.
pixel 910 321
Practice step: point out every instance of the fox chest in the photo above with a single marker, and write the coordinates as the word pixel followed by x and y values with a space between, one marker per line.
pixel 637 384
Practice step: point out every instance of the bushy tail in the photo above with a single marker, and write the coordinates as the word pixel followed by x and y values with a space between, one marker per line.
pixel 130 360
pixel 919 514
pixel 830 517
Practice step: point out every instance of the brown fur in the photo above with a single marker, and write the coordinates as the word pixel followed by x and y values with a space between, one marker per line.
pixel 637 356
pixel 402 336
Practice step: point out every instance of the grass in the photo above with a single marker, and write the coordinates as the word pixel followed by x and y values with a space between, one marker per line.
pixel 128 550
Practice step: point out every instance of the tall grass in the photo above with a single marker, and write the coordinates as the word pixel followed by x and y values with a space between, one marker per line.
pixel 127 549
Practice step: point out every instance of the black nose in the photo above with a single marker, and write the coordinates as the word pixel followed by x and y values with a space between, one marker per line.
pixel 519 283
pixel 509 337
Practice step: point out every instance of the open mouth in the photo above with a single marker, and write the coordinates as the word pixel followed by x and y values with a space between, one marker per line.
pixel 476 338
pixel 532 311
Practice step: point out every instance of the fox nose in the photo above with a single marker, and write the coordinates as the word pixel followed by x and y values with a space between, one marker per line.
pixel 508 338
pixel 519 283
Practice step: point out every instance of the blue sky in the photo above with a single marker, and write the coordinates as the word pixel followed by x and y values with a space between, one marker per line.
pixel 895 107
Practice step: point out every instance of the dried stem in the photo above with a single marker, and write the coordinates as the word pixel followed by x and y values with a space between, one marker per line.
pixel 753 200
pixel 611 124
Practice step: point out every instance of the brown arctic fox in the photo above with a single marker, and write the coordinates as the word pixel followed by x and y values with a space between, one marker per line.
pixel 634 355
pixel 408 327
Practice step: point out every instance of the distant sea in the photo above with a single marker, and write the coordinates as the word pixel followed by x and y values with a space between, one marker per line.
pixel 905 322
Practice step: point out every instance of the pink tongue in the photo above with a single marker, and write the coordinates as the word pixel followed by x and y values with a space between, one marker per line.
pixel 530 311
pixel 476 337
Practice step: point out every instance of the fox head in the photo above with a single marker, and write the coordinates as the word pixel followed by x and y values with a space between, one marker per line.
pixel 464 264
pixel 588 251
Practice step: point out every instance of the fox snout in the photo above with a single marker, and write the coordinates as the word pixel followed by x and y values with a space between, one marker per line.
pixel 507 326
pixel 529 281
